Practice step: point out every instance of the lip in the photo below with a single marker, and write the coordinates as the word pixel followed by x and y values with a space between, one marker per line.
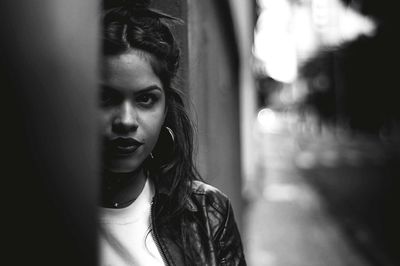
pixel 123 146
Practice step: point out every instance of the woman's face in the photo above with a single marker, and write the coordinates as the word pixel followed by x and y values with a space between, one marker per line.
pixel 132 110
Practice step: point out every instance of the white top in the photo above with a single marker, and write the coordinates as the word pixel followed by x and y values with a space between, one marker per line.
pixel 125 236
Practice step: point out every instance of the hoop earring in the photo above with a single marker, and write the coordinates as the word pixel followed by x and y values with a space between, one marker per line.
pixel 171 133
pixel 151 155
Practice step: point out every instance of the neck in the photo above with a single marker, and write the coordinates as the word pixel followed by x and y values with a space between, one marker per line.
pixel 121 189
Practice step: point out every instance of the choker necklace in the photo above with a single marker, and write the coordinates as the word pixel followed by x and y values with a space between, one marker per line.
pixel 120 205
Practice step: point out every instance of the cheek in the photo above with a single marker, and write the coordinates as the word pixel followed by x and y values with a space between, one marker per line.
pixel 104 121
pixel 152 123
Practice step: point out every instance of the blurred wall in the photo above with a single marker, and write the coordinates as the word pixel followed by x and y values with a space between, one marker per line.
pixel 48 79
pixel 244 19
pixel 214 90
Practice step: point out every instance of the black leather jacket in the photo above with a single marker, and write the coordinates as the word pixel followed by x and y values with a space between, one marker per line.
pixel 212 230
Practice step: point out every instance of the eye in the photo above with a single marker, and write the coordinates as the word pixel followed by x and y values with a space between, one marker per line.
pixel 147 99
pixel 109 97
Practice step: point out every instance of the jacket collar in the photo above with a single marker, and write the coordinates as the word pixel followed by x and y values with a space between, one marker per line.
pixel 190 205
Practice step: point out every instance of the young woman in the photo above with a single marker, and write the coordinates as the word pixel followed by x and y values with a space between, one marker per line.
pixel 155 208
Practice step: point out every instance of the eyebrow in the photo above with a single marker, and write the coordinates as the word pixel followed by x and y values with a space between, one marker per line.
pixel 144 90
pixel 150 88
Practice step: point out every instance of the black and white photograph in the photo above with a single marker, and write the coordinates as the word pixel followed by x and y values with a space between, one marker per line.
pixel 200 132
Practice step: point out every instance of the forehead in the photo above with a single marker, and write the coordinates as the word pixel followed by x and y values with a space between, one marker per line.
pixel 129 70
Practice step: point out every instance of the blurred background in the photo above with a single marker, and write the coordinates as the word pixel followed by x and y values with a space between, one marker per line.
pixel 298 122
pixel 296 112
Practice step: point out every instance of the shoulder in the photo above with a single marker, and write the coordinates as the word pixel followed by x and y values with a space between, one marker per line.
pixel 201 188
pixel 215 210
pixel 207 196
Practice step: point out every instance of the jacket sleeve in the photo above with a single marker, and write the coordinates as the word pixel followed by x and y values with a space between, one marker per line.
pixel 229 242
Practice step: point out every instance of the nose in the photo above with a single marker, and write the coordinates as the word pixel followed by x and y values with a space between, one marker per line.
pixel 125 121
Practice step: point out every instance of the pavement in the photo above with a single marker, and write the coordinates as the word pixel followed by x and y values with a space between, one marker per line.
pixel 291 219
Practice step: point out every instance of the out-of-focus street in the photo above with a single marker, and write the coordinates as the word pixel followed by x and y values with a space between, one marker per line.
pixel 312 201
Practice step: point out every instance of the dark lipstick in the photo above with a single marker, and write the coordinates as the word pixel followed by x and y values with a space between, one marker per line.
pixel 123 146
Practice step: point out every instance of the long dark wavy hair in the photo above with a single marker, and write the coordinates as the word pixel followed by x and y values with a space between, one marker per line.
pixel 131 25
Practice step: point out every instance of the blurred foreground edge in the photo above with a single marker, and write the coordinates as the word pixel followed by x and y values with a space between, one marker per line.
pixel 48 54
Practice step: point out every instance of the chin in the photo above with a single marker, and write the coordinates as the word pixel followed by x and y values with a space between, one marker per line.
pixel 123 166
